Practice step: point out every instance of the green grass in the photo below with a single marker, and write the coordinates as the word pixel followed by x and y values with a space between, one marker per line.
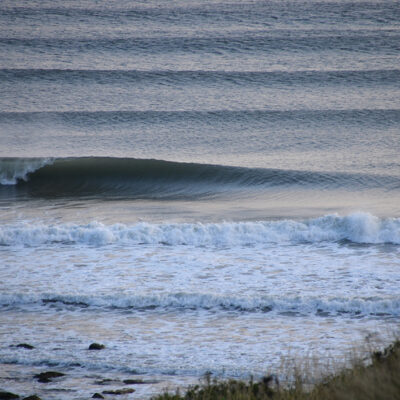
pixel 379 380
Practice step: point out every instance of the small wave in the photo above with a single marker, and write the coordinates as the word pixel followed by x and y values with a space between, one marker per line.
pixel 214 44
pixel 363 116
pixel 185 301
pixel 356 228
pixel 202 77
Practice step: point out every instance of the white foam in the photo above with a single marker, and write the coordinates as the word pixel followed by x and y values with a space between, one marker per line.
pixel 357 228
pixel 195 301
pixel 14 169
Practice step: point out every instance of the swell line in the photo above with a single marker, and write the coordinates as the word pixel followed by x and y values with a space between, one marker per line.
pixel 257 12
pixel 351 77
pixel 158 179
pixel 378 43
pixel 359 116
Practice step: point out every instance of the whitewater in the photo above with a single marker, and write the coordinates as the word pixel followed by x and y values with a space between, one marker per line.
pixel 202 187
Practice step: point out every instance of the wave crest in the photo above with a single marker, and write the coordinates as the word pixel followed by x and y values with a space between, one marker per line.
pixel 148 178
pixel 197 301
pixel 357 228
pixel 13 170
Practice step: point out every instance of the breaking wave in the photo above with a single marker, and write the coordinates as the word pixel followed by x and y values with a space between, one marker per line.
pixel 185 301
pixel 356 228
pixel 149 178
pixel 13 170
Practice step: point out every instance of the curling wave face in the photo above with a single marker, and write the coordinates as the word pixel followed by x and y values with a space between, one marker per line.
pixel 150 178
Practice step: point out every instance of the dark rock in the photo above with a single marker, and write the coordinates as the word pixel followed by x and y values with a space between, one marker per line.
pixel 97 396
pixel 26 346
pixel 49 374
pixel 34 397
pixel 8 396
pixel 96 346
pixel 138 382
pixel 133 381
pixel 44 380
pixel 119 391
pixel 46 377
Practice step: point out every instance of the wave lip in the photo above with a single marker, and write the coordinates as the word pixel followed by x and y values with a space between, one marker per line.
pixel 197 301
pixel 14 170
pixel 357 228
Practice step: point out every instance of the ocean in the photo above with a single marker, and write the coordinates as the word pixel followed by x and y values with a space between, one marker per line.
pixel 203 187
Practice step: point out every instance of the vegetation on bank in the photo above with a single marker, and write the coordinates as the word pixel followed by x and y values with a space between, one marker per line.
pixel 380 380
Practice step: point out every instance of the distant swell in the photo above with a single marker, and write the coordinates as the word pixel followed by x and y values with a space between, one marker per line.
pixel 185 301
pixel 356 228
pixel 233 44
pixel 169 77
pixel 148 178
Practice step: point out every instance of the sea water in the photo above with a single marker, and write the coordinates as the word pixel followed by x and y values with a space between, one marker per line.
pixel 201 186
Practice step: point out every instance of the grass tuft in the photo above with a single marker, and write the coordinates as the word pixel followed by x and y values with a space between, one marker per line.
pixel 379 380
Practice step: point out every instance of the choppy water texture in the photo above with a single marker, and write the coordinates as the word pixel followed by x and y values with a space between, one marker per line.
pixel 201 186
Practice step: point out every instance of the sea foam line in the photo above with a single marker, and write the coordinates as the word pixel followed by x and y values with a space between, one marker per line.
pixel 198 301
pixel 357 227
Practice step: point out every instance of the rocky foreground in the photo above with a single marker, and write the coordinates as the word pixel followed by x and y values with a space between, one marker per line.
pixel 56 376
pixel 378 379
